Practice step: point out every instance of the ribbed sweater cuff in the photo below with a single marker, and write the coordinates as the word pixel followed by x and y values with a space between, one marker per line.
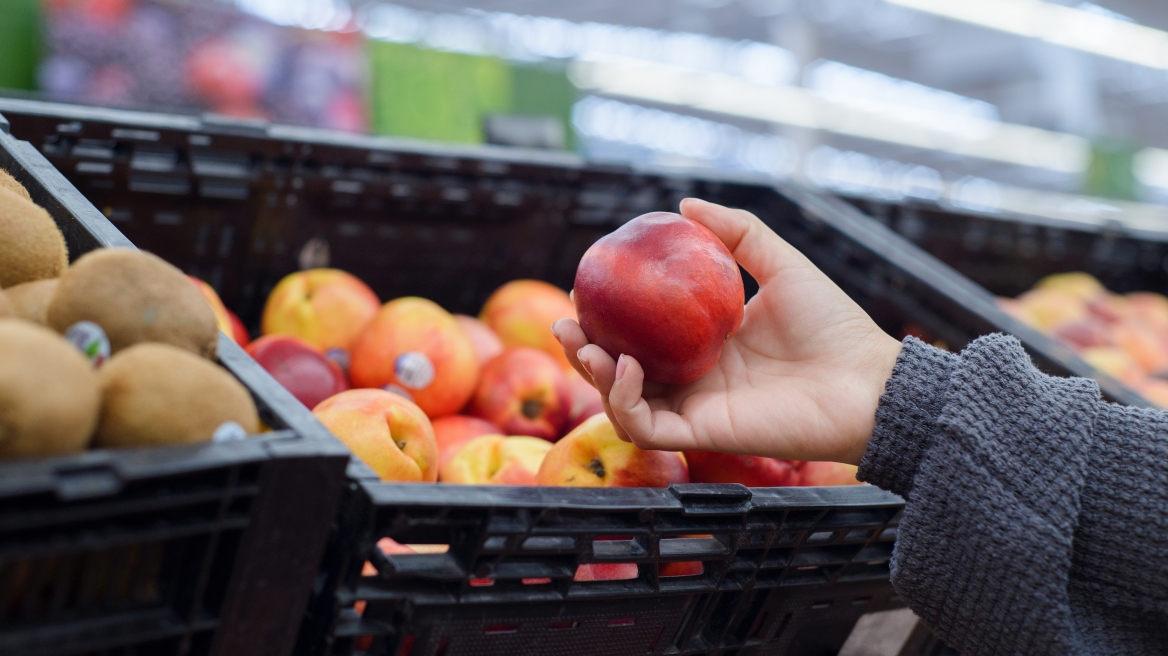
pixel 906 416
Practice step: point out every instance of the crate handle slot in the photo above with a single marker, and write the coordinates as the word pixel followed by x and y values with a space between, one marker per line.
pixel 712 498
pixel 87 483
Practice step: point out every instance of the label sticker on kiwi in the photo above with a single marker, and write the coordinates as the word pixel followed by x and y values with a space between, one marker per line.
pixel 400 391
pixel 229 431
pixel 413 369
pixel 91 340
pixel 339 356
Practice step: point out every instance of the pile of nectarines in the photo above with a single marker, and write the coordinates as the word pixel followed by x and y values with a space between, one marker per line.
pixel 1123 336
pixel 422 395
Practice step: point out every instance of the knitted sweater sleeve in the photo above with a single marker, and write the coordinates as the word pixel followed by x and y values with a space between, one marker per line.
pixel 1036 515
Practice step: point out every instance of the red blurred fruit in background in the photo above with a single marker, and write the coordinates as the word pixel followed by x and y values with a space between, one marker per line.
pixel 663 289
pixel 827 473
pixel 751 471
pixel 484 340
pixel 524 392
pixel 586 400
pixel 453 431
pixel 307 374
pixel 238 330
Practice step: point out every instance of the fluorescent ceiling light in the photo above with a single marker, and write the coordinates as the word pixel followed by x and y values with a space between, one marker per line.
pixel 1150 167
pixel 790 105
pixel 1081 29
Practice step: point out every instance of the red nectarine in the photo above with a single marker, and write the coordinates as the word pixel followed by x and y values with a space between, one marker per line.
pixel 663 289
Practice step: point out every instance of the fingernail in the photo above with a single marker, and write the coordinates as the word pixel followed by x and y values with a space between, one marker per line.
pixel 584 363
pixel 554 332
pixel 621 365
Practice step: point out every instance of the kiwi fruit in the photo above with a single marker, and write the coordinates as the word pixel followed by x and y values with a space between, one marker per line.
pixel 8 182
pixel 30 300
pixel 135 297
pixel 6 307
pixel 31 245
pixel 156 394
pixel 49 398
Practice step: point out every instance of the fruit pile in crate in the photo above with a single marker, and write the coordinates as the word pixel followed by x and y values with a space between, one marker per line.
pixel 1124 336
pixel 116 350
pixel 422 395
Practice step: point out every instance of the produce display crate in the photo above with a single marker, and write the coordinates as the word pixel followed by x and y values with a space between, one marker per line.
pixel 192 550
pixel 1007 252
pixel 785 570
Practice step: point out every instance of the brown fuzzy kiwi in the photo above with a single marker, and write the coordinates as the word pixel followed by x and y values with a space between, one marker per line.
pixel 10 183
pixel 155 394
pixel 30 300
pixel 49 399
pixel 134 297
pixel 6 307
pixel 31 245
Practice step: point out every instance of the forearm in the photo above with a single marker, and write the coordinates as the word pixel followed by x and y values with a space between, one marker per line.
pixel 991 456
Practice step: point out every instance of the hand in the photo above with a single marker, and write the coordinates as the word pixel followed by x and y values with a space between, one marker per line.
pixel 800 379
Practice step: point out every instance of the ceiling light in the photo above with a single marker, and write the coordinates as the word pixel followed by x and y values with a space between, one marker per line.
pixel 789 105
pixel 1096 32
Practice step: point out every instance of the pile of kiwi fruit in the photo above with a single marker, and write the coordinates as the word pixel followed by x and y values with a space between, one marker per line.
pixel 160 384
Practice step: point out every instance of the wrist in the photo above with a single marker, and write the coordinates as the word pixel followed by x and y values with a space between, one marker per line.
pixel 875 371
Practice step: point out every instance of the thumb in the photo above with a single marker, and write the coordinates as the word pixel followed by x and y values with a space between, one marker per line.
pixel 754 245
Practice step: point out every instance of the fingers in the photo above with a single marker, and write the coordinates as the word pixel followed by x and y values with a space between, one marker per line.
pixel 636 419
pixel 572 338
pixel 755 246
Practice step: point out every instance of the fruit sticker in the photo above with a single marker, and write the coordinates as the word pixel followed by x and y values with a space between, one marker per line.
pixel 229 431
pixel 399 390
pixel 91 340
pixel 414 370
pixel 340 356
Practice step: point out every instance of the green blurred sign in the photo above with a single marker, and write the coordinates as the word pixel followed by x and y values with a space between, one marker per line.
pixel 20 41
pixel 1110 173
pixel 417 92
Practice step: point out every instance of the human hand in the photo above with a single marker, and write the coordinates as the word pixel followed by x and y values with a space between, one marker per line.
pixel 800 379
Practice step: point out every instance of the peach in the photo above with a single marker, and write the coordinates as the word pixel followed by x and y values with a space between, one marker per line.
pixel 484 340
pixel 1114 362
pixel 415 347
pixel 1149 307
pixel 238 330
pixel 222 314
pixel 386 431
pixel 593 456
pixel 606 572
pixel 663 289
pixel 1156 391
pixel 452 431
pixel 522 312
pixel 496 460
pixel 299 367
pixel 752 471
pixel 327 308
pixel 525 392
pixel 586 400
pixel 1084 333
pixel 1082 286
pixel 1142 343
pixel 827 473
pixel 1110 308
pixel 1046 309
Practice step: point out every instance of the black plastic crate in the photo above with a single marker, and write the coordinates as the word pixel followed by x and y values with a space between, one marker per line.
pixel 1007 252
pixel 451 224
pixel 193 550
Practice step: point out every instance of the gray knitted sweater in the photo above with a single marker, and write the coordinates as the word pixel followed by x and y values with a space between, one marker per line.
pixel 1036 516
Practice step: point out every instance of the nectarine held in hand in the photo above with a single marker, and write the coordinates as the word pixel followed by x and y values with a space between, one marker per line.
pixel 663 289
